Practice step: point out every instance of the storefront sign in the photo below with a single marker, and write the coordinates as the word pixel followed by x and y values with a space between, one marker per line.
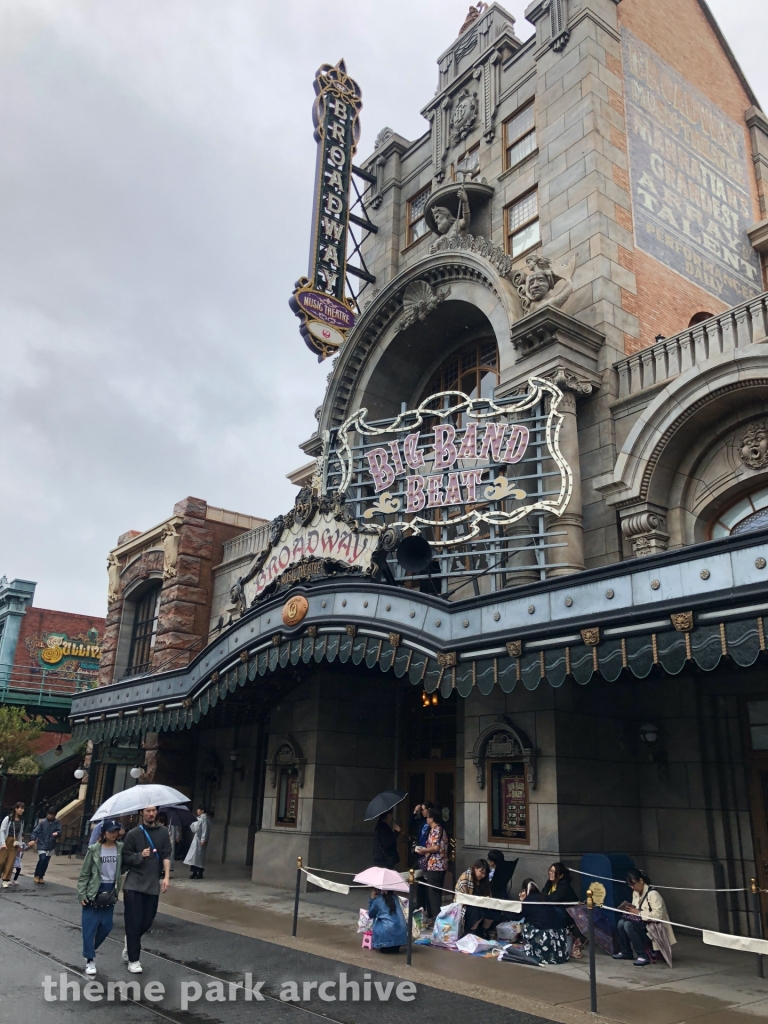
pixel 690 178
pixel 68 657
pixel 300 547
pixel 483 462
pixel 319 299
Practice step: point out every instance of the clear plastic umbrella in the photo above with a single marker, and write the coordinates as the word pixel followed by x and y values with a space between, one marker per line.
pixel 138 797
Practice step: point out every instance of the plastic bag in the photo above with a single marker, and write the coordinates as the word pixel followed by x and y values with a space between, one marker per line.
pixel 446 928
pixel 509 930
pixel 474 944
pixel 363 921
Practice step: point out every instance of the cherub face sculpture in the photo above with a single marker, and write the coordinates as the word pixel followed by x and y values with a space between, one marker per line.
pixel 443 218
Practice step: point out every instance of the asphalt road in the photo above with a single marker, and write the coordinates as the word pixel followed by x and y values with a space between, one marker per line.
pixel 41 946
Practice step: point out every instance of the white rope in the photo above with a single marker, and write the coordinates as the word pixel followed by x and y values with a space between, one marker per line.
pixel 511 906
pixel 324 883
pixel 677 888
pixel 740 942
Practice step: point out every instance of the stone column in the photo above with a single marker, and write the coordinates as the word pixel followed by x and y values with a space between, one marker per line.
pixel 645 528
pixel 570 525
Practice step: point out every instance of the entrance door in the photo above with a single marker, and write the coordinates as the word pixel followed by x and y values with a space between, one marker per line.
pixel 757 726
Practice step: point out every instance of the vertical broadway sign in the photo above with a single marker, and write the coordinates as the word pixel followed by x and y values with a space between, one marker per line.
pixel 319 300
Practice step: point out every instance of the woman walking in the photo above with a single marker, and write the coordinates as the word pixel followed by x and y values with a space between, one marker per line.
pixel 195 859
pixel 98 888
pixel 11 841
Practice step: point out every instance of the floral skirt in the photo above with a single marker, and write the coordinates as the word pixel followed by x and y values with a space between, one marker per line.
pixel 548 945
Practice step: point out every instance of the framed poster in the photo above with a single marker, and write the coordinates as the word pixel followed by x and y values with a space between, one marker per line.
pixel 288 797
pixel 508 802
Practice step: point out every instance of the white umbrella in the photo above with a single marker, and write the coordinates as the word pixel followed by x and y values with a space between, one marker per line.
pixel 137 797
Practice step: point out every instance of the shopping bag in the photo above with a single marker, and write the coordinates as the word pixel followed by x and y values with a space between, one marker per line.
pixel 474 944
pixel 509 930
pixel 363 921
pixel 446 928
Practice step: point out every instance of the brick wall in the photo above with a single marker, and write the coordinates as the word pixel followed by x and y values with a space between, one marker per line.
pixel 679 32
pixel 39 621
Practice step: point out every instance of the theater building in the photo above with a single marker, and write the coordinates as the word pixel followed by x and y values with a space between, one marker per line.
pixel 525 573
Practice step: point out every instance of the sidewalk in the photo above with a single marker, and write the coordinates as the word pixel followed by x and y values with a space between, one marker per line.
pixel 707 985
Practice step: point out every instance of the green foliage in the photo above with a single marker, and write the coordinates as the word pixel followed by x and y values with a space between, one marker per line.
pixel 17 735
pixel 26 767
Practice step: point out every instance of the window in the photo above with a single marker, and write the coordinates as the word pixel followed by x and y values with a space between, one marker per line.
pixel 519 136
pixel 757 711
pixel 288 797
pixel 523 224
pixel 474 369
pixel 699 318
pixel 508 800
pixel 144 632
pixel 417 226
pixel 750 513
pixel 469 165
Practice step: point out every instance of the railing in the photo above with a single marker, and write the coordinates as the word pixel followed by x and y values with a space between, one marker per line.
pixel 735 329
pixel 44 682
pixel 249 543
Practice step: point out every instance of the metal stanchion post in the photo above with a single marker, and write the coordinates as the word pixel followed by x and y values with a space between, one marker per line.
pixel 298 893
pixel 411 885
pixel 758 923
pixel 591 939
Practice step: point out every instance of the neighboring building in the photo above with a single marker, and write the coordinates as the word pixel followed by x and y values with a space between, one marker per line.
pixel 575 661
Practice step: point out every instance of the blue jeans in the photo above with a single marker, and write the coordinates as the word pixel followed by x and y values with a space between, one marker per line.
pixel 632 934
pixel 96 925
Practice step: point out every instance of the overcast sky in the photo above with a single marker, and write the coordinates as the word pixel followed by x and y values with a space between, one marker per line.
pixel 156 167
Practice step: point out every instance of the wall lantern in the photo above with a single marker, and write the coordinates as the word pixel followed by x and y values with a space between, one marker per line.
pixel 135 772
pixel 649 733
pixel 80 773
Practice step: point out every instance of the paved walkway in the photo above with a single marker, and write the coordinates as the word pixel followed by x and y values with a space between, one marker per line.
pixel 707 985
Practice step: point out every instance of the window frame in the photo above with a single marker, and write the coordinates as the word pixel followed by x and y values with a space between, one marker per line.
pixel 489 774
pixel 510 144
pixel 148 637
pixel 508 234
pixel 285 773
pixel 409 239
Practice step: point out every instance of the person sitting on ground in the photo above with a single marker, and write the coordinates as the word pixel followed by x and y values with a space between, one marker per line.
pixel 388 924
pixel 559 889
pixel 544 935
pixel 500 874
pixel 45 835
pixel 647 905
pixel 385 835
pixel 475 882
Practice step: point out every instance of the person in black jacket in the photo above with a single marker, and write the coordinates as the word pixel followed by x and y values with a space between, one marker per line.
pixel 545 929
pixel 558 889
pixel 501 874
pixel 385 835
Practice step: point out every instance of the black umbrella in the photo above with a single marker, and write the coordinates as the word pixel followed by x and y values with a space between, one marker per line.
pixel 384 802
pixel 179 815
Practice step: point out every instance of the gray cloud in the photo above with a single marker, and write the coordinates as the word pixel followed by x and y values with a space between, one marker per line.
pixel 156 166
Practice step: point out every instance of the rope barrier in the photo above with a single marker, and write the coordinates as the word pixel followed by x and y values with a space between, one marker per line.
pixel 677 888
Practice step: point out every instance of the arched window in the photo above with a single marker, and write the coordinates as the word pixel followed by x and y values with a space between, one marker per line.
pixel 473 369
pixel 699 318
pixel 144 631
pixel 747 514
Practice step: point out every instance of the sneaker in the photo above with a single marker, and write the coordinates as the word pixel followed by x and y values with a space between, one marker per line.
pixel 642 961
pixel 620 956
pixel 90 968
pixel 6 884
pixel 135 968
pixel 14 882
pixel 125 952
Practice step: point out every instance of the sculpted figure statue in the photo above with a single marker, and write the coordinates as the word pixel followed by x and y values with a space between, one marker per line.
pixel 449 224
pixel 543 285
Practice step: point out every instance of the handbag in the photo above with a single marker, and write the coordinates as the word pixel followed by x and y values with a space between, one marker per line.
pixel 104 898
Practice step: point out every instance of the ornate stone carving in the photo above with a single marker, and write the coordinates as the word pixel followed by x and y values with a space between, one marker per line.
pixel 171 542
pixel 646 532
pixel 514 648
pixel 494 254
pixel 419 300
pixel 451 224
pixel 472 15
pixel 351 630
pixel 568 381
pixel 236 607
pixel 446 659
pixel 544 285
pixel 682 621
pixel 312 631
pixel 303 506
pixel 277 639
pixel 394 639
pixel 288 754
pixel 382 137
pixel 463 115
pixel 754 445
pixel 502 739
pixel 591 636
pixel 113 579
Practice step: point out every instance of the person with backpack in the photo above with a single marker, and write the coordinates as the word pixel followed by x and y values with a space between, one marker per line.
pixel 147 860
pixel 98 888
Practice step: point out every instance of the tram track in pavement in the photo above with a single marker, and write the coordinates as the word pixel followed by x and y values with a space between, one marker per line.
pixel 225 960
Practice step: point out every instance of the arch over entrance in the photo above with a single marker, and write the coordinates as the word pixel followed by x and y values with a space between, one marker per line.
pixel 390 356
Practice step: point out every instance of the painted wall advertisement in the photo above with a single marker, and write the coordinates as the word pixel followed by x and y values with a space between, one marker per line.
pixel 689 175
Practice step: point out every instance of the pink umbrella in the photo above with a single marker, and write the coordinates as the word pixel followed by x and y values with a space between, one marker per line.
pixel 382 878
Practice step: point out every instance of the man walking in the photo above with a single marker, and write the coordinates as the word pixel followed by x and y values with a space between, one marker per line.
pixel 45 835
pixel 147 859
pixel 11 831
